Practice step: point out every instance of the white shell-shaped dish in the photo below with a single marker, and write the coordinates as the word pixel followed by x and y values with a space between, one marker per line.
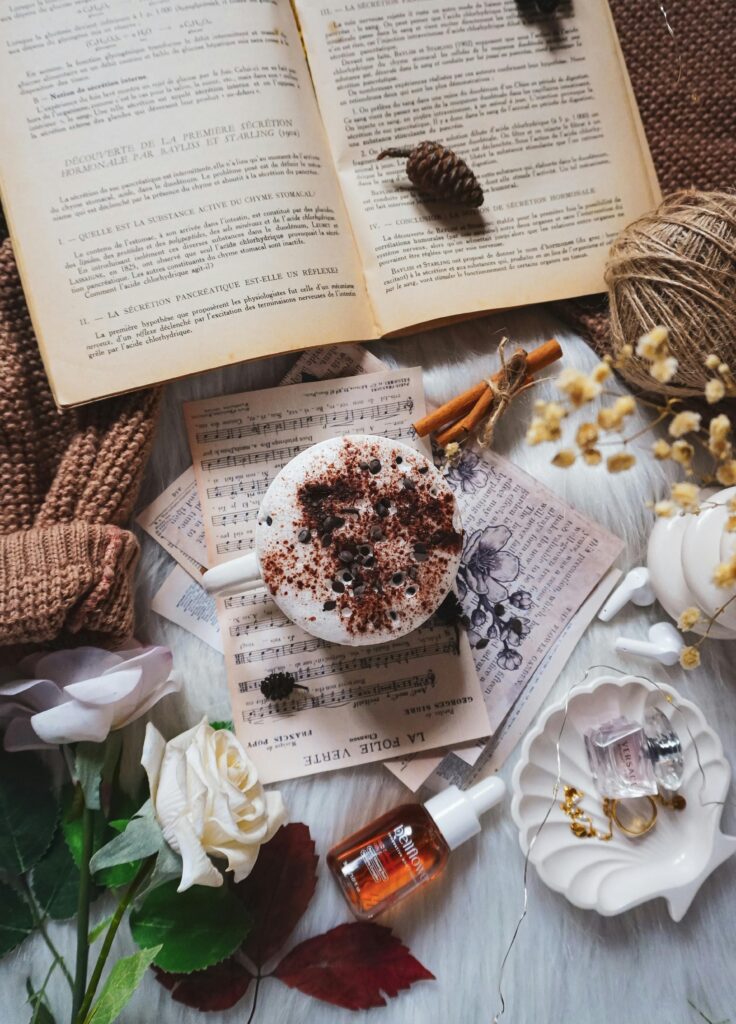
pixel 674 858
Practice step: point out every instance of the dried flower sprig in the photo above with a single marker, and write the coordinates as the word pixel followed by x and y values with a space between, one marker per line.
pixel 687 434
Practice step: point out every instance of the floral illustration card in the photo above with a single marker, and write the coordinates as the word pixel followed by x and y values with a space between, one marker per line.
pixel 530 561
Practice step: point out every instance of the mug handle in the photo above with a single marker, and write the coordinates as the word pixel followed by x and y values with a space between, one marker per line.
pixel 234 577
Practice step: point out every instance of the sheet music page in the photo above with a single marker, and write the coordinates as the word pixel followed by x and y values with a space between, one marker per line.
pixel 540 107
pixel 464 763
pixel 183 601
pixel 174 519
pixel 363 704
pixel 169 189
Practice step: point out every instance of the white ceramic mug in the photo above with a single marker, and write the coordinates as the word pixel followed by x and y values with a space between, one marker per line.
pixel 364 574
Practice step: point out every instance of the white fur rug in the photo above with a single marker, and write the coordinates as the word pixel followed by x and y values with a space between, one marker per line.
pixel 568 964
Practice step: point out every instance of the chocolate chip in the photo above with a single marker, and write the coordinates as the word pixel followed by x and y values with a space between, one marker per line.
pixel 421 556
pixel 424 469
pixel 332 523
pixel 374 466
pixel 381 507
pixel 376 533
pixel 413 572
pixel 304 536
pixel 399 460
pixel 411 591
pixel 393 615
pixel 344 576
pixel 338 587
pixel 351 511
pixel 397 578
pixel 368 561
pixel 346 556
pixel 420 548
pixel 408 484
pixel 363 465
pixel 365 549
pixel 329 605
pixel 269 521
pixel 359 590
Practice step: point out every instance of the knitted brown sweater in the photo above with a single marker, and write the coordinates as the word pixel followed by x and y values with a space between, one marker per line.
pixel 68 481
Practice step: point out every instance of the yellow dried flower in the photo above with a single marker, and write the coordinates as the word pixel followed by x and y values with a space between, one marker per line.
pixel 624 354
pixel 564 458
pixel 682 452
pixel 587 434
pixel 664 509
pixel 724 369
pixel 663 370
pixel 619 462
pixel 452 451
pixel 653 345
pixel 660 449
pixel 688 618
pixel 546 425
pixel 612 417
pixel 726 473
pixel 689 657
pixel 724 574
pixel 731 524
pixel 712 361
pixel 684 423
pixel 578 387
pixel 537 432
pixel 715 390
pixel 685 495
pixel 601 372
pixel 719 427
pixel 731 504
pixel 592 456
pixel 553 413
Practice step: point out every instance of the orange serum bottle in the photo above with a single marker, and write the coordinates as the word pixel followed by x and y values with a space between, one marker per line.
pixel 401 851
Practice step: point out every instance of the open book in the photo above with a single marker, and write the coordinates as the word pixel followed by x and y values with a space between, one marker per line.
pixel 181 195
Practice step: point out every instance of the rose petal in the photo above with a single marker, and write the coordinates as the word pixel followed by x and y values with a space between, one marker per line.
pixel 72 723
pixel 155 664
pixel 170 686
pixel 104 690
pixel 154 746
pixel 29 695
pixel 72 666
pixel 197 868
pixel 20 735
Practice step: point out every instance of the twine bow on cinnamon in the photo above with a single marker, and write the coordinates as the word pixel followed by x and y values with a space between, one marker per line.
pixel 489 399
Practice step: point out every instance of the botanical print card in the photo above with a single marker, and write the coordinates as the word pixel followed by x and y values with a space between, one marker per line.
pixel 361 704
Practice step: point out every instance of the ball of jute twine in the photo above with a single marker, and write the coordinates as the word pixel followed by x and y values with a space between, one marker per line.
pixel 676 266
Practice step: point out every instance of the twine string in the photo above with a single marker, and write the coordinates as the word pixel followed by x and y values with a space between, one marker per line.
pixel 513 374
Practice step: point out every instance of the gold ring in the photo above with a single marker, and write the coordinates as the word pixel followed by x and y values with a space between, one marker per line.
pixel 644 824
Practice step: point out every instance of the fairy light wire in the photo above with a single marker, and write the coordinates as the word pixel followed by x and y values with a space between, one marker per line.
pixel 555 796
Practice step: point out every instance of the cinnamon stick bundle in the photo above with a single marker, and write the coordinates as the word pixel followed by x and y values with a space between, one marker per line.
pixel 462 414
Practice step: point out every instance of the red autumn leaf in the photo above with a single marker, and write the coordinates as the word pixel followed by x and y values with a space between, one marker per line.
pixel 216 988
pixel 351 966
pixel 278 890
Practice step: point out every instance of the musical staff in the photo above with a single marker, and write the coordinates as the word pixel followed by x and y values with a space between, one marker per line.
pixel 253 623
pixel 249 599
pixel 275 456
pixel 437 642
pixel 334 697
pixel 226 546
pixel 251 487
pixel 231 518
pixel 343 418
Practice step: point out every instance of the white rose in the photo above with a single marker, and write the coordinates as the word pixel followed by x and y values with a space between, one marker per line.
pixel 208 800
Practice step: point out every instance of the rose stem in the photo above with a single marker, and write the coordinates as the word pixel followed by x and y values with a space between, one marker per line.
pixel 83 899
pixel 537 359
pixel 141 875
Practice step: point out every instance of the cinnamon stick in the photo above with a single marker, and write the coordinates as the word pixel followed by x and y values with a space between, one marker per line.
pixel 537 360
pixel 468 423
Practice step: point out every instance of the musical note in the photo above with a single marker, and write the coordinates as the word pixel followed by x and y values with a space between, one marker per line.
pixel 343 418
pixel 225 546
pixel 335 698
pixel 230 518
pixel 255 622
pixel 242 487
pixel 439 642
pixel 274 455
pixel 248 600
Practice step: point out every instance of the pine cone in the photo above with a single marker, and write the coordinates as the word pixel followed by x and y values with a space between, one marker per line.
pixel 440 173
pixel 279 686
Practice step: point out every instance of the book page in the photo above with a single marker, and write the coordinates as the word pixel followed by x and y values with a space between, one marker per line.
pixel 169 190
pixel 174 519
pixel 362 704
pixel 539 107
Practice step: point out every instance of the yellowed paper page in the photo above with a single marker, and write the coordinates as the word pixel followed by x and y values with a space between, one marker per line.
pixel 183 601
pixel 363 704
pixel 174 519
pixel 539 107
pixel 169 190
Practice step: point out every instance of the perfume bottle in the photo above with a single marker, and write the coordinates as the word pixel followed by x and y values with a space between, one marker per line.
pixel 630 760
pixel 401 851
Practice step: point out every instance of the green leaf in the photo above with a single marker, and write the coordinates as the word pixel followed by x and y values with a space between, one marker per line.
pixel 122 981
pixel 99 929
pixel 41 1012
pixel 117 876
pixel 222 725
pixel 16 919
pixel 167 867
pixel 141 838
pixel 55 881
pixel 28 812
pixel 89 760
pixel 195 928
